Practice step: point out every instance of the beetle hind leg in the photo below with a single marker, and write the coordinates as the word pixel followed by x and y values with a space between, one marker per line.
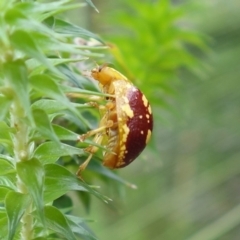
pixel 91 149
pixel 99 135
pixel 83 165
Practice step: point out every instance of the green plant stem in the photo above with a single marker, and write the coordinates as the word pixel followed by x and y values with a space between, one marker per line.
pixel 21 135
pixel 21 153
pixel 27 219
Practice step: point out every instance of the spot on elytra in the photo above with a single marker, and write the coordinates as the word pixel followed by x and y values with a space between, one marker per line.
pixel 145 101
pixel 148 136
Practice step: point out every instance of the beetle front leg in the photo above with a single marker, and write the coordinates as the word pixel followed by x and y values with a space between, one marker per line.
pixel 84 96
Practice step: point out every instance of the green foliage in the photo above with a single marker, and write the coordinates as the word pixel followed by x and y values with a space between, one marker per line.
pixel 16 204
pixel 152 42
pixel 39 124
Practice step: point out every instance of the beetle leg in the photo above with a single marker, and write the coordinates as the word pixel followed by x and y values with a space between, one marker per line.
pixel 91 149
pixel 83 165
pixel 107 106
pixel 92 104
pixel 82 137
pixel 97 139
pixel 84 96
pixel 107 125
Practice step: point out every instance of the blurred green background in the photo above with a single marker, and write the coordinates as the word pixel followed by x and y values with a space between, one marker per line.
pixel 189 177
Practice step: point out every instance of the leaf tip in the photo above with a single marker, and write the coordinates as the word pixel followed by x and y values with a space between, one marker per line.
pixel 133 186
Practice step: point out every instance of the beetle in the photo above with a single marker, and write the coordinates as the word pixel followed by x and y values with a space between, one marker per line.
pixel 126 124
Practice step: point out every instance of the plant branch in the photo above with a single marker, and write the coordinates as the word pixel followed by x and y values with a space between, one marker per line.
pixel 21 153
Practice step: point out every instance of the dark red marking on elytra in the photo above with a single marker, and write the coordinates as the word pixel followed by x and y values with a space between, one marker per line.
pixel 136 141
